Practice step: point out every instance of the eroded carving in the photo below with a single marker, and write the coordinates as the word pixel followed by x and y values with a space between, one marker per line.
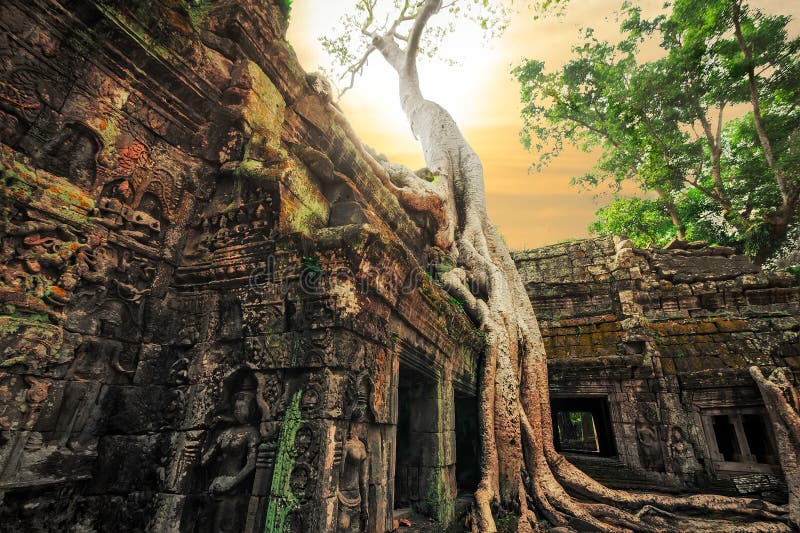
pixel 230 458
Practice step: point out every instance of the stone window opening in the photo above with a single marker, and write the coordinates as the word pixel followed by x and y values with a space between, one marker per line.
pixel 740 440
pixel 577 431
pixel 582 425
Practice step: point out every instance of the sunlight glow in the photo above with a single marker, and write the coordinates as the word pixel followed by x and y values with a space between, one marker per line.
pixel 530 209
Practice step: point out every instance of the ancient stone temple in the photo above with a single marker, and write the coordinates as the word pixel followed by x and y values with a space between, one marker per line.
pixel 648 357
pixel 214 317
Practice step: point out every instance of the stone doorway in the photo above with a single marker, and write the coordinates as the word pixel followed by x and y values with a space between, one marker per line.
pixel 468 471
pixel 416 423
pixel 582 425
pixel 425 457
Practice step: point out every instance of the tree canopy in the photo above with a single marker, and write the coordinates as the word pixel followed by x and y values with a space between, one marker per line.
pixel 708 130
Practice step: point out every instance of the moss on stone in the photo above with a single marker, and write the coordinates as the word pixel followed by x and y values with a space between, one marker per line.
pixel 198 11
pixel 264 107
pixel 282 501
pixel 24 184
pixel 133 29
pixel 438 502
pixel 309 211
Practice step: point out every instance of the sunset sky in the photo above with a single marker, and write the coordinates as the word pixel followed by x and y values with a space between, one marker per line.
pixel 531 209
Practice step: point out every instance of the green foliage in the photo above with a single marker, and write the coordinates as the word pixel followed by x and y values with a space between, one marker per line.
pixel 795 271
pixel 458 304
pixel 787 257
pixel 657 124
pixel 310 268
pixel 286 7
pixel 645 222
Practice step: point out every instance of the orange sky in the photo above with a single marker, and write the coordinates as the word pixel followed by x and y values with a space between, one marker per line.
pixel 530 209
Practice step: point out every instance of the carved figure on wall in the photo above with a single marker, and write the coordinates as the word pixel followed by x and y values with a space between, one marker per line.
pixel 683 455
pixel 223 233
pixel 179 372
pixel 43 244
pixel 136 197
pixel 18 441
pixel 649 445
pixel 131 157
pixel 231 459
pixel 352 491
pixel 90 263
pixel 188 334
pixel 72 153
pixel 23 88
pixel 113 213
pixel 95 361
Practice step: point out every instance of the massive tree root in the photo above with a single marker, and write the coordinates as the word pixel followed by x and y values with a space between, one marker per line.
pixel 783 405
pixel 520 470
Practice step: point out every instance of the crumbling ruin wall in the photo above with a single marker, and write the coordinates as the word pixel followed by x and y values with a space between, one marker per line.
pixel 665 337
pixel 207 296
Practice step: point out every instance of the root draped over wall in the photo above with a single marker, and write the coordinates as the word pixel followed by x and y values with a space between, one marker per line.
pixel 520 468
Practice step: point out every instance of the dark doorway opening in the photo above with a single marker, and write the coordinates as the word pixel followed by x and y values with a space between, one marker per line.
pixel 468 473
pixel 582 425
pixel 417 418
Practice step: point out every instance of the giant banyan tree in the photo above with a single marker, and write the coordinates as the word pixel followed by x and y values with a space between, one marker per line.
pixel 222 312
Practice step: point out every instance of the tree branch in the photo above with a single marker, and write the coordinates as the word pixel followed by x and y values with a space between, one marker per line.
pixel 356 69
pixel 369 6
pixel 714 142
pixel 766 145
pixel 390 50
pixel 430 8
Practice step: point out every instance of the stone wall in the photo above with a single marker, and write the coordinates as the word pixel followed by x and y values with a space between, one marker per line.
pixel 665 337
pixel 212 308
pixel 207 296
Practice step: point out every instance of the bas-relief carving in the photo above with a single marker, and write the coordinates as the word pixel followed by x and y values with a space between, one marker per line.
pixel 230 460
pixel 103 284
pixel 97 362
pixel 682 452
pixel 28 85
pixel 18 428
pixel 63 422
pixel 72 153
pixel 98 285
pixel 649 442
pixel 48 260
pixel 352 491
pixel 239 217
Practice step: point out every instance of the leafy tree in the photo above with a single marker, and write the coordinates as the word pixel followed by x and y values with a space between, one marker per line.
pixel 520 469
pixel 643 221
pixel 661 124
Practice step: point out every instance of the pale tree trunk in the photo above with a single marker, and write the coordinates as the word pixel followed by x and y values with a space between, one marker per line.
pixel 520 469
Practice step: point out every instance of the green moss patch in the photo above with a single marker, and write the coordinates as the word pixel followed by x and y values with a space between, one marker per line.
pixel 282 501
